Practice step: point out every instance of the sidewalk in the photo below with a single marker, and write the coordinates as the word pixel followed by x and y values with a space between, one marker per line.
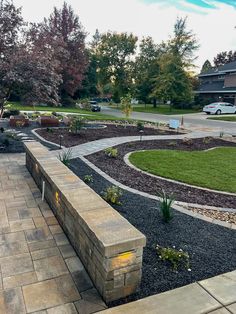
pixel 40 271
pixel 216 295
pixel 96 146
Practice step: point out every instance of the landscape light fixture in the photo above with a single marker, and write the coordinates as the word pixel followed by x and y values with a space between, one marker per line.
pixel 60 137
pixel 141 134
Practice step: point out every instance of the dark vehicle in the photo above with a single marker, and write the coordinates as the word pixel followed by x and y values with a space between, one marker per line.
pixel 94 106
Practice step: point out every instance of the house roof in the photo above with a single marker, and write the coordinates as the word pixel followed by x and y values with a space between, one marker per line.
pixel 215 87
pixel 229 67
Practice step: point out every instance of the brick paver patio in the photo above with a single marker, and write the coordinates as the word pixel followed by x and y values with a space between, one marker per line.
pixel 40 272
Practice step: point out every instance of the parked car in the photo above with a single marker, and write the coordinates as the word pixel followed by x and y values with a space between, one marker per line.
pixel 220 108
pixel 94 106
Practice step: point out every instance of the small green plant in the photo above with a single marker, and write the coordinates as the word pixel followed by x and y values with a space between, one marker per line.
pixel 177 258
pixel 221 134
pixel 65 156
pixel 206 140
pixel 49 130
pixel 172 143
pixel 140 126
pixel 165 206
pixel 77 123
pixel 20 124
pixel 88 178
pixel 112 195
pixel 6 142
pixel 111 152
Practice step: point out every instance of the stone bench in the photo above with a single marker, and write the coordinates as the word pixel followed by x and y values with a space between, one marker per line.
pixel 109 246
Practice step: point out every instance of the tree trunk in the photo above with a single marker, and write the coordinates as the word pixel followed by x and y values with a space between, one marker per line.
pixel 1 109
pixel 154 103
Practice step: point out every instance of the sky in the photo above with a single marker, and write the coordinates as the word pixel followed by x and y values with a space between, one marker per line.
pixel 213 21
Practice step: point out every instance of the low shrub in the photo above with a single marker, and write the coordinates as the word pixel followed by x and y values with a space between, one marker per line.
pixel 111 152
pixel 6 142
pixel 206 140
pixel 49 130
pixel 9 113
pixel 187 141
pixel 140 126
pixel 65 157
pixel 20 124
pixel 77 123
pixel 177 258
pixel 88 178
pixel 112 195
pixel 165 206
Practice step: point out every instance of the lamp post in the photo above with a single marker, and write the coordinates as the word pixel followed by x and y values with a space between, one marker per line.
pixel 60 138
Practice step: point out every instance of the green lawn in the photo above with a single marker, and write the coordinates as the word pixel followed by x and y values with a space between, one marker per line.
pixel 161 109
pixel 229 118
pixel 90 115
pixel 214 169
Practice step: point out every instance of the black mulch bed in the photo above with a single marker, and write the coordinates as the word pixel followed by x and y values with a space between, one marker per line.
pixel 10 145
pixel 15 143
pixel 212 248
pixel 117 169
pixel 88 135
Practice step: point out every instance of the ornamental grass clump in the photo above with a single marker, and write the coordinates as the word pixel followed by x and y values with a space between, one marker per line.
pixel 166 202
pixel 112 195
pixel 65 156
pixel 176 258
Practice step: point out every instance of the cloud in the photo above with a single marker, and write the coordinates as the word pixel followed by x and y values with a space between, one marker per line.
pixel 214 27
pixel 183 4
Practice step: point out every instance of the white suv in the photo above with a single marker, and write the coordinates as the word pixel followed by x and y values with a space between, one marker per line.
pixel 219 108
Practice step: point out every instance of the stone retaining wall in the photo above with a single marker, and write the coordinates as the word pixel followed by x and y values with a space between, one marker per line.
pixel 109 246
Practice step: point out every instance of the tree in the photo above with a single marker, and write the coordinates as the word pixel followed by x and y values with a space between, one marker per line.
pixel 126 105
pixel 206 66
pixel 224 57
pixel 146 67
pixel 173 83
pixel 65 36
pixel 184 43
pixel 11 22
pixel 114 53
pixel 21 66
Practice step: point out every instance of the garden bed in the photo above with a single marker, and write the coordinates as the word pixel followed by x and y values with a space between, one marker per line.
pixel 211 247
pixel 92 134
pixel 119 170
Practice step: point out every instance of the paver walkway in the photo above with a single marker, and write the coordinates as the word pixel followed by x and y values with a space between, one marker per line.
pixel 40 272
pixel 98 145
pixel 216 295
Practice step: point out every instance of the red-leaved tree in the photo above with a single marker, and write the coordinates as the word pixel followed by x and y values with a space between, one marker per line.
pixel 22 65
pixel 63 33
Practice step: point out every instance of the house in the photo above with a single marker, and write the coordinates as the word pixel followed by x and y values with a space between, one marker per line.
pixel 219 84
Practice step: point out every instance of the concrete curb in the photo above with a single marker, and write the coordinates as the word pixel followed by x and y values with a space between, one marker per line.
pixel 175 206
pixel 43 139
pixel 128 163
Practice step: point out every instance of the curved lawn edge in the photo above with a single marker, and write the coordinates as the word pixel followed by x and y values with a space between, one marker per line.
pixel 177 204
pixel 209 169
pixel 127 161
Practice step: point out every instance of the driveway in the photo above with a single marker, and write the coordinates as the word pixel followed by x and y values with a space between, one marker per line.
pixel 193 121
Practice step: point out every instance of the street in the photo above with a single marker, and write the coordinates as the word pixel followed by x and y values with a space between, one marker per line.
pixel 195 121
